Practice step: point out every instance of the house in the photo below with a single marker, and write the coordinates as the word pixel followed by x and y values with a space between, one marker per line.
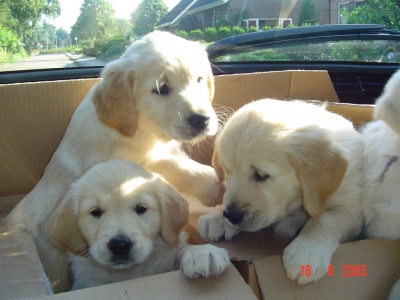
pixel 338 5
pixel 257 13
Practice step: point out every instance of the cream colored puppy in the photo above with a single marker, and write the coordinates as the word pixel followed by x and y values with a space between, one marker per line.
pixel 382 172
pixel 293 166
pixel 122 222
pixel 155 96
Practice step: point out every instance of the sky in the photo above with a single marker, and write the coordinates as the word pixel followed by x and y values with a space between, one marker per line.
pixel 70 10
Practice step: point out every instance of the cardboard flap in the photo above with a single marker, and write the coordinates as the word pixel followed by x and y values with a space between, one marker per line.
pixel 235 90
pixel 33 119
pixel 381 258
pixel 173 285
pixel 21 273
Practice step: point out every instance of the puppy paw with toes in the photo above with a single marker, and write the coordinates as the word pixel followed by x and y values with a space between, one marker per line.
pixel 204 261
pixel 214 226
pixel 304 265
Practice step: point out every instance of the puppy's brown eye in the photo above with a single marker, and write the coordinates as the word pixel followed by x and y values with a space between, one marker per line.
pixel 96 212
pixel 199 79
pixel 259 176
pixel 140 209
pixel 162 90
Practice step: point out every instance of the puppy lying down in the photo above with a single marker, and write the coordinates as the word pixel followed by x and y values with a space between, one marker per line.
pixel 120 222
pixel 295 167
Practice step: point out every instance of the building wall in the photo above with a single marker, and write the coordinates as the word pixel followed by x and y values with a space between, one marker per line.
pixel 269 12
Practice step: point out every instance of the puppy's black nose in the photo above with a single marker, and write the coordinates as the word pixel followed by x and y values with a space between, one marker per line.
pixel 233 215
pixel 120 245
pixel 198 122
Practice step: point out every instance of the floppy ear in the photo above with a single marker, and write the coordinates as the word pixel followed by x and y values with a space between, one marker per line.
pixel 217 166
pixel 174 212
pixel 320 168
pixel 113 97
pixel 210 82
pixel 63 228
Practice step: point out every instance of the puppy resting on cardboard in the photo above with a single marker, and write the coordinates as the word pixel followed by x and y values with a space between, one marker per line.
pixel 297 167
pixel 120 222
pixel 156 95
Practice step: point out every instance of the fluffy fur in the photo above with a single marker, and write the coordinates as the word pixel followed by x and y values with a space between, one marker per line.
pixel 156 95
pixel 120 222
pixel 382 166
pixel 295 167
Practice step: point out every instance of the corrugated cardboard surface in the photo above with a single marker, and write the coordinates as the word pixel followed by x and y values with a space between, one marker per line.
pixel 169 286
pixel 33 118
pixel 235 90
pixel 382 260
pixel 21 273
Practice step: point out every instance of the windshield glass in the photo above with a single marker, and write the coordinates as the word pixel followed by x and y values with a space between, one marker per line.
pixel 47 34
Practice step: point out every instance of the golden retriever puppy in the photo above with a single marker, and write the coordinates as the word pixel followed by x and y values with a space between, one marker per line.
pixel 155 96
pixel 381 158
pixel 295 167
pixel 120 222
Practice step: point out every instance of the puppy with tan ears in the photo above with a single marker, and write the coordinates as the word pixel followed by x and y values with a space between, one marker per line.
pixel 120 222
pixel 155 96
pixel 382 173
pixel 293 166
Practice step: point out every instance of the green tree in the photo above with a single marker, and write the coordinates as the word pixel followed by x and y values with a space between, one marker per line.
pixel 46 34
pixel 384 12
pixel 189 23
pixel 26 14
pixel 307 13
pixel 124 27
pixel 96 21
pixel 147 15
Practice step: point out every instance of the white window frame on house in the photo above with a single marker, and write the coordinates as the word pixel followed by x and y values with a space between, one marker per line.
pixel 353 4
pixel 280 21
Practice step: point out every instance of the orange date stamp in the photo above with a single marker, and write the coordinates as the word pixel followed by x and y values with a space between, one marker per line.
pixel 347 271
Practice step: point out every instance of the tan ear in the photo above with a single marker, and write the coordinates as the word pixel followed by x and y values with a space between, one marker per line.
pixel 174 212
pixel 320 169
pixel 217 166
pixel 113 98
pixel 64 230
pixel 210 82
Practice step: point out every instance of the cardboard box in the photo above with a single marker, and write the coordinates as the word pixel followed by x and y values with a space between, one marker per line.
pixel 33 119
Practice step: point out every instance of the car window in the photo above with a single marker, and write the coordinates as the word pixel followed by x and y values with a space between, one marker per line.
pixel 376 51
pixel 64 34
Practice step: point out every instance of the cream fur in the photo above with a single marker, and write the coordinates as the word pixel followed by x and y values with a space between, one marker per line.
pixel 130 115
pixel 310 167
pixel 381 203
pixel 119 189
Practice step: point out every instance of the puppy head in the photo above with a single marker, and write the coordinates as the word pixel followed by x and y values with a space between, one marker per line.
pixel 271 167
pixel 163 84
pixel 388 104
pixel 115 212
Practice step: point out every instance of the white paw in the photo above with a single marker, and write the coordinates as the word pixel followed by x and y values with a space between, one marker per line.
pixel 211 192
pixel 214 226
pixel 305 261
pixel 204 260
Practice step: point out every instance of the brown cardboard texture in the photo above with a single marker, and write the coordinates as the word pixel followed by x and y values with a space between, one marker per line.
pixel 33 119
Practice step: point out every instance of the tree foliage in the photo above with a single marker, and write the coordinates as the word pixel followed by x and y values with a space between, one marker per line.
pixel 307 13
pixel 189 23
pixel 147 15
pixel 26 14
pixel 96 21
pixel 385 12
